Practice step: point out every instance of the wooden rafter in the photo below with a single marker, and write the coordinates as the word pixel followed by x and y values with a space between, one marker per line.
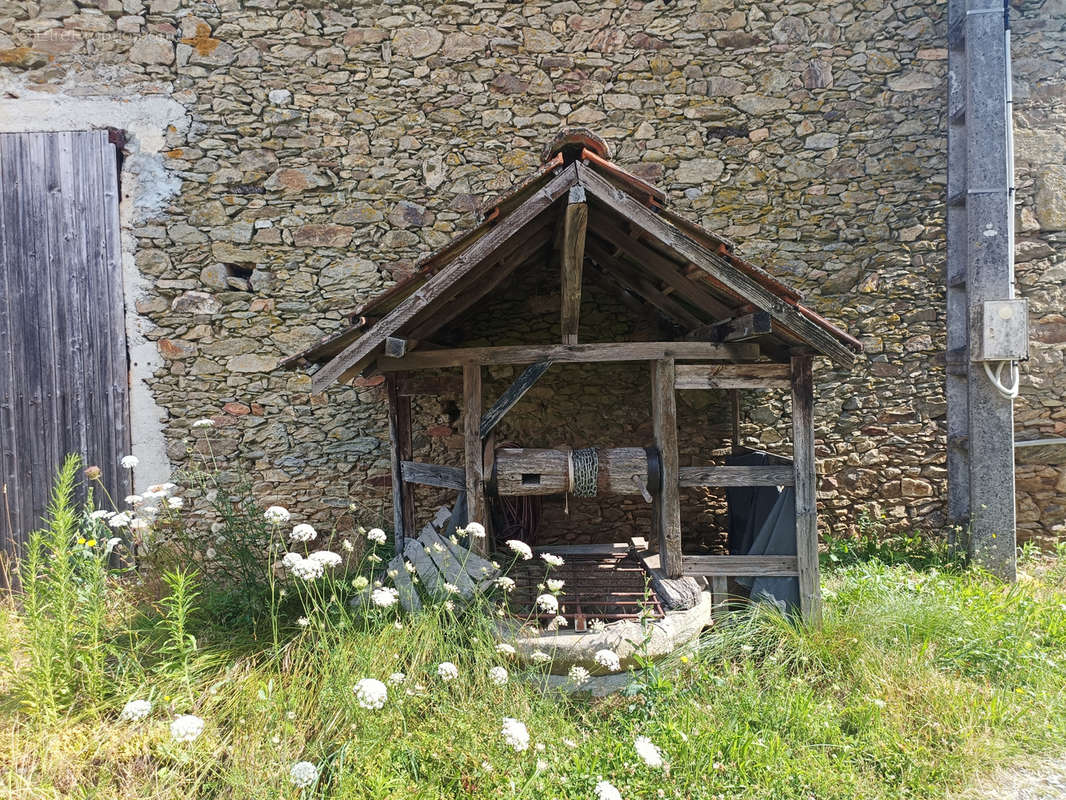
pixel 715 266
pixel 440 283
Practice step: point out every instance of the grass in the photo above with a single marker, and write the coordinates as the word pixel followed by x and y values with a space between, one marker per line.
pixel 924 675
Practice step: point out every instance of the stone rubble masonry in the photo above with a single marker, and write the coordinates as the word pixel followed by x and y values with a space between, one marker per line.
pixel 330 145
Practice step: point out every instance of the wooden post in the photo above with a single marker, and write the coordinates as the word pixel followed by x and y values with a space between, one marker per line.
pixel 667 513
pixel 475 465
pixel 805 482
pixel 734 402
pixel 572 257
pixel 403 500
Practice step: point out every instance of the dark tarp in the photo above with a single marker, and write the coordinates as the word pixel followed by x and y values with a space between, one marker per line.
pixel 762 522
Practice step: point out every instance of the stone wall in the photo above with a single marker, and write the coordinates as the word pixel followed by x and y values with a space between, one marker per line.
pixel 327 146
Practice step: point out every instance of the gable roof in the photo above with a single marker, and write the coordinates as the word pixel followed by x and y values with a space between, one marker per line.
pixel 689 274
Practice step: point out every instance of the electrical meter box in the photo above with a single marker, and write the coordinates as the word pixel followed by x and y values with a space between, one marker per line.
pixel 1004 331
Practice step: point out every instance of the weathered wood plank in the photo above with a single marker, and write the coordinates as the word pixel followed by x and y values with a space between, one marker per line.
pixel 419 384
pixel 720 269
pixel 440 283
pixel 805 487
pixel 667 514
pixel 474 449
pixel 571 354
pixel 433 474
pixel 733 376
pixel 515 392
pixel 450 569
pixel 63 361
pixel 740 566
pixel 401 450
pixel 676 593
pixel 405 587
pixel 735 476
pixel 572 257
pixel 426 568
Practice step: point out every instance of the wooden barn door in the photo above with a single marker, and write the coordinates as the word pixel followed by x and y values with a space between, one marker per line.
pixel 63 362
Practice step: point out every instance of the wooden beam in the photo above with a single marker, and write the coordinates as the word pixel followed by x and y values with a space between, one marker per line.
pixel 515 392
pixel 414 385
pixel 719 268
pixel 805 480
pixel 572 259
pixel 401 449
pixel 735 476
pixel 741 566
pixel 658 265
pixel 614 270
pixel 667 513
pixel 734 407
pixel 571 354
pixel 733 376
pixel 737 329
pixel 474 452
pixel 440 283
pixel 433 475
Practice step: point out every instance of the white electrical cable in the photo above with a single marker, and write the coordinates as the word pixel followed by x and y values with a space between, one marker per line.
pixel 997 379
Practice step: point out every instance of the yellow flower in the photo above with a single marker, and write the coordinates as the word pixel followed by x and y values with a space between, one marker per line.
pixel 91 543
pixel 684 659
pixel 81 540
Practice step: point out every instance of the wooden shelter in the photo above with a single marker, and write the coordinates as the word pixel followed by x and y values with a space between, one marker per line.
pixel 738 328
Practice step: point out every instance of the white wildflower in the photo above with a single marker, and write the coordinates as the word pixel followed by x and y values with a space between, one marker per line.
pixel 396 678
pixel 548 604
pixel 111 544
pixel 555 585
pixel 505 583
pixel 374 558
pixel 515 734
pixel 607 659
pixel 303 533
pixel 119 520
pixel 498 675
pixel 135 710
pixel 290 560
pixel 102 513
pixel 308 569
pixel 558 622
pixel 447 671
pixel 505 649
pixel 327 558
pixel 475 530
pixel 186 728
pixel 139 524
pixel 437 547
pixel 303 774
pixel 570 743
pixel 204 423
pixel 407 565
pixel 347 546
pixel 133 499
pixel 649 753
pixel 360 582
pixel 277 515
pixel 539 657
pixel 597 625
pixel 384 597
pixel 175 502
pixel 578 675
pixel 376 535
pixel 371 694
pixel 451 588
pixel 605 791
pixel 149 511
pixel 303 622
pixel 552 560
pixel 157 490
pixel 129 462
pixel 520 549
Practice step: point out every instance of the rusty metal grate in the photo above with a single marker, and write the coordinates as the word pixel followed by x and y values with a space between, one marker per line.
pixel 598 587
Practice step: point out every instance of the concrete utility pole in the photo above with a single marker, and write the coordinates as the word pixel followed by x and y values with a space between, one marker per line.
pixel 987 328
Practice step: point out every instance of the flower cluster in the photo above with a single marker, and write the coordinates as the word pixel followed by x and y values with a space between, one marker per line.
pixel 371 694
pixel 186 728
pixel 607 659
pixel 136 710
pixel 303 774
pixel 515 734
pixel 520 549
